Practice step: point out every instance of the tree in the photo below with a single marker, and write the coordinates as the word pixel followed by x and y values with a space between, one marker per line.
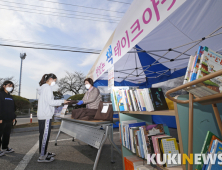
pixel 57 95
pixel 13 80
pixel 72 82
pixel 21 103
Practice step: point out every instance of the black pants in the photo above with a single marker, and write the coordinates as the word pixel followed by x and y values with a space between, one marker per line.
pixel 5 131
pixel 44 135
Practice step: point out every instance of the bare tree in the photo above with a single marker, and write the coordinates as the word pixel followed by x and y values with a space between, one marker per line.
pixel 72 82
pixel 13 80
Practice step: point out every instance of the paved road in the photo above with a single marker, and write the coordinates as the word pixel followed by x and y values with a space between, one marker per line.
pixel 70 155
pixel 26 120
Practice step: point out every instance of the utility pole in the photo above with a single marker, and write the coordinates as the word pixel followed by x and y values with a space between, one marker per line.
pixel 22 56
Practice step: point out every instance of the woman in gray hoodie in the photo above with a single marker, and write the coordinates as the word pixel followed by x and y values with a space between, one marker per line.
pixel 46 104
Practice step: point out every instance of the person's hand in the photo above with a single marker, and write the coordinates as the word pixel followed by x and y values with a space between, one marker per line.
pixel 66 102
pixel 13 120
pixel 0 121
pixel 80 102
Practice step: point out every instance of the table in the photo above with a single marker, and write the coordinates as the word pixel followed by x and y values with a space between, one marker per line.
pixel 94 133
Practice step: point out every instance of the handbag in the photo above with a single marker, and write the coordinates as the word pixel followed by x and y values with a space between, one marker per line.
pixel 105 111
pixel 84 114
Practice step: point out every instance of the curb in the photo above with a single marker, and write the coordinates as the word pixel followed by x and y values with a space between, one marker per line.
pixel 30 129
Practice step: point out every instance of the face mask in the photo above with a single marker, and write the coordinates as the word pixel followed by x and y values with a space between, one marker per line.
pixel 53 83
pixel 87 86
pixel 9 89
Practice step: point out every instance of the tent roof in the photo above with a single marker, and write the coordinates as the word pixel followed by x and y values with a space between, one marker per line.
pixel 162 54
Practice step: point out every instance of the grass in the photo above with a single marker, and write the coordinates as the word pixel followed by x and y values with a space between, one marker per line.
pixel 34 125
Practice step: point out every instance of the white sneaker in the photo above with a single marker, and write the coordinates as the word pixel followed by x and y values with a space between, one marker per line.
pixel 50 154
pixel 46 158
pixel 2 153
pixel 8 150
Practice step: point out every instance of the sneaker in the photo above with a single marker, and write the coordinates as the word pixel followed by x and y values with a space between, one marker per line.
pixel 50 154
pixel 47 159
pixel 2 153
pixel 8 150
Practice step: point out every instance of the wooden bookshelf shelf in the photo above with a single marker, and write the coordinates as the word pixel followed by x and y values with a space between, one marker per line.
pixel 162 112
pixel 172 168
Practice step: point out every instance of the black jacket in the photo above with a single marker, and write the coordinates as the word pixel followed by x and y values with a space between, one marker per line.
pixel 7 106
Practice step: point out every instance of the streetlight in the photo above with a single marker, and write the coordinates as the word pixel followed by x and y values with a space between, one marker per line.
pixel 22 56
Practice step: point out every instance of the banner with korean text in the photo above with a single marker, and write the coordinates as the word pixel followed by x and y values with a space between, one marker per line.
pixel 142 17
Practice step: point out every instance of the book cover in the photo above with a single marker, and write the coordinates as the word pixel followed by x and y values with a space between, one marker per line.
pixel 133 125
pixel 136 100
pixel 133 100
pixel 141 99
pixel 192 67
pixel 196 63
pixel 124 100
pixel 140 143
pixel 166 130
pixel 144 139
pixel 123 133
pixel 150 104
pixel 170 146
pixel 206 146
pixel 155 129
pixel 127 100
pixel 188 72
pixel 145 100
pixel 216 149
pixel 210 63
pixel 132 138
pixel 136 145
pixel 158 99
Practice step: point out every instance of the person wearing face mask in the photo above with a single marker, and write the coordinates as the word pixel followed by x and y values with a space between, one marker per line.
pixel 7 116
pixel 92 97
pixel 46 107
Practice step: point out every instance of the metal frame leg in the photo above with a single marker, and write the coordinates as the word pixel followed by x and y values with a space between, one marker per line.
pixel 100 149
pixel 57 137
pixel 111 140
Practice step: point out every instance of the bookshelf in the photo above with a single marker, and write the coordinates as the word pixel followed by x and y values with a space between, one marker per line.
pixel 207 100
pixel 147 117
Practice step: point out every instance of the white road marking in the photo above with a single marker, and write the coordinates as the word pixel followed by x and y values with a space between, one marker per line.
pixel 26 159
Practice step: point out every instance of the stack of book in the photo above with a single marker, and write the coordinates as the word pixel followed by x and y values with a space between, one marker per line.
pixel 143 139
pixel 136 163
pixel 212 145
pixel 134 99
pixel 205 62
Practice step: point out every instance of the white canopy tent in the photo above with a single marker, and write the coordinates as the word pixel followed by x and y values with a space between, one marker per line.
pixel 164 52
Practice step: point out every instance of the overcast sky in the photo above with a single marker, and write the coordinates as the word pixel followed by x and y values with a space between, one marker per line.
pixel 16 25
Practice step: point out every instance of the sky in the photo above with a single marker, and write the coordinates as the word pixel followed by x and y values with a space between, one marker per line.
pixel 33 27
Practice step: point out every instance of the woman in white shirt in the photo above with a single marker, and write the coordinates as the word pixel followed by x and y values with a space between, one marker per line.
pixel 46 104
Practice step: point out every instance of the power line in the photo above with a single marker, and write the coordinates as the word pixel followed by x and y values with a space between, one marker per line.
pixel 50 45
pixel 81 6
pixel 120 2
pixel 53 49
pixel 57 15
pixel 57 12
pixel 61 9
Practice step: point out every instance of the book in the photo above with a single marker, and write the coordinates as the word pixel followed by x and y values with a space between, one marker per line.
pixel 141 99
pixel 148 98
pixel 137 101
pixel 123 123
pixel 140 143
pixel 131 162
pixel 188 72
pixel 192 67
pixel 132 138
pixel 133 100
pixel 206 148
pixel 155 129
pixel 124 100
pixel 158 99
pixel 210 63
pixel 144 139
pixel 216 149
pixel 127 100
pixel 136 143
pixel 170 146
pixel 196 63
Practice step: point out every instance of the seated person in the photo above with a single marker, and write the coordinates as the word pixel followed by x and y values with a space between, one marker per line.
pixel 92 99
